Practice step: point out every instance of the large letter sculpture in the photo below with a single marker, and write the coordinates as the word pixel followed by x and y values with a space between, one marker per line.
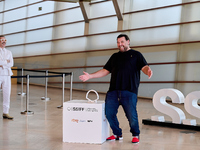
pixel 159 102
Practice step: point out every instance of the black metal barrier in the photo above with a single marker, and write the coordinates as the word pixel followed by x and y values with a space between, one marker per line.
pixel 60 74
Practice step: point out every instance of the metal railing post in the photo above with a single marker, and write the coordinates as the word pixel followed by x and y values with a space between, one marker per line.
pixel 63 91
pixel 46 82
pixel 22 82
pixel 27 112
pixel 71 81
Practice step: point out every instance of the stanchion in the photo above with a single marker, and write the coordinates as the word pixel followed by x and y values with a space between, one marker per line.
pixel 71 80
pixel 46 82
pixel 63 91
pixel 21 93
pixel 27 112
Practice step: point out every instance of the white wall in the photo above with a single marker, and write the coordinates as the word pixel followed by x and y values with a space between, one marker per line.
pixel 66 27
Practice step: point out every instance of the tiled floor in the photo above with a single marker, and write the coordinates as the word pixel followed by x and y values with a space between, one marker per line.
pixel 43 129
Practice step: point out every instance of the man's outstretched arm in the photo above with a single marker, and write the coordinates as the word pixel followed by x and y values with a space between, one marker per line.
pixel 147 70
pixel 101 73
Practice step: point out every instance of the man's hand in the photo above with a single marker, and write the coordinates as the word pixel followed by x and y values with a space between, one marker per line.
pixel 147 70
pixel 150 73
pixel 85 76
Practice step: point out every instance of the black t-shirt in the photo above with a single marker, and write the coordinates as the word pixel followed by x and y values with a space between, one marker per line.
pixel 125 70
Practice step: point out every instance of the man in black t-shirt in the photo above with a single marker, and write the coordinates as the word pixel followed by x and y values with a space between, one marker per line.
pixel 124 67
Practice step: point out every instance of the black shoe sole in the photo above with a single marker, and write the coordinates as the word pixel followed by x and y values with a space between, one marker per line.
pixel 7 118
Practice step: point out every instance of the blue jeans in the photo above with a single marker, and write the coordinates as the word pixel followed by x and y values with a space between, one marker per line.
pixel 128 100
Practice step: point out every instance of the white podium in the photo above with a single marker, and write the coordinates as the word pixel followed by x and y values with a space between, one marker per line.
pixel 85 122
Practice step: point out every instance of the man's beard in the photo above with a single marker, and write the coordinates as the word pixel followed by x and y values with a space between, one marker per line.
pixel 124 49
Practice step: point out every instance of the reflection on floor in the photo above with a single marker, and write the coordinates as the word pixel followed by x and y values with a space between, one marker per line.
pixel 43 129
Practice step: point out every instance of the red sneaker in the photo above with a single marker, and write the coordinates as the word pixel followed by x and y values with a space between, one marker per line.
pixel 114 137
pixel 135 139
